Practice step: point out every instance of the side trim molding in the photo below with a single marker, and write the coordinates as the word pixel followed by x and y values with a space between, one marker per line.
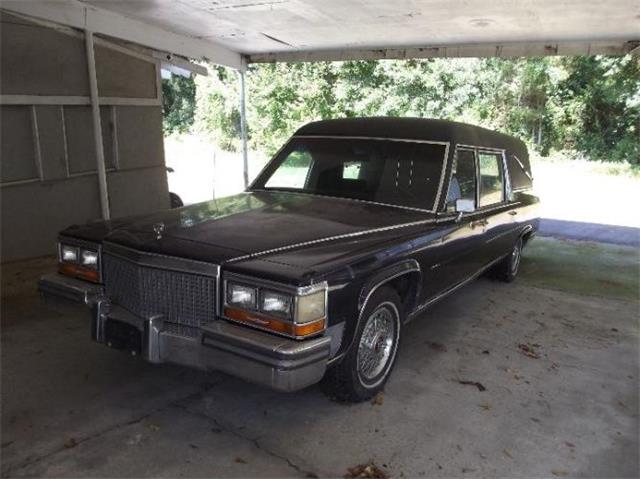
pixel 452 289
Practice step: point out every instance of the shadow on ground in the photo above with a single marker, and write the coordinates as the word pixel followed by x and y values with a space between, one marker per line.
pixel 556 351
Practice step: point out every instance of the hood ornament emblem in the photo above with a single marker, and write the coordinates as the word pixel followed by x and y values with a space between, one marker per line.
pixel 158 228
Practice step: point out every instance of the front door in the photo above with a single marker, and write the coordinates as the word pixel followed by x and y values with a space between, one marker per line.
pixel 464 235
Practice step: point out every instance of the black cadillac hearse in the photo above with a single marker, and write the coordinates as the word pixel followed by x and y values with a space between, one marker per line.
pixel 354 228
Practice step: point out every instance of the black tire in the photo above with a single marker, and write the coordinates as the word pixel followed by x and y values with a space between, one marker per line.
pixel 349 381
pixel 176 201
pixel 507 269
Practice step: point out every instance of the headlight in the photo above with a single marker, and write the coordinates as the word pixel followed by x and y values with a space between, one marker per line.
pixel 310 307
pixel 79 262
pixel 241 296
pixel 69 254
pixel 291 311
pixel 89 258
pixel 276 303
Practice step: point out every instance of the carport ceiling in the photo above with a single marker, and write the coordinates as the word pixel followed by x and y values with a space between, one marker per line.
pixel 294 30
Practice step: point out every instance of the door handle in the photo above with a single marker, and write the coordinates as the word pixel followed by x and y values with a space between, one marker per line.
pixel 480 223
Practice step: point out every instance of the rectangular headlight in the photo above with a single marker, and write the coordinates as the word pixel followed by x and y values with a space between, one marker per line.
pixel 276 303
pixel 241 296
pixel 68 253
pixel 89 258
pixel 310 307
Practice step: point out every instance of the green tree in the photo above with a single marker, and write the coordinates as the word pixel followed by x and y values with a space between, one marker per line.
pixel 585 104
pixel 178 103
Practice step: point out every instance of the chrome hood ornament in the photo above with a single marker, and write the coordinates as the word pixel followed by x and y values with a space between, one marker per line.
pixel 158 228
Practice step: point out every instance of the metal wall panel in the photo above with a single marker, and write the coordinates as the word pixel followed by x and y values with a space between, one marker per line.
pixel 135 123
pixel 124 76
pixel 40 61
pixel 33 214
pixel 17 148
pixel 79 138
pixel 51 136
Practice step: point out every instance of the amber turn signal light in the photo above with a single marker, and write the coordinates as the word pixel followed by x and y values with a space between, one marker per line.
pixel 273 324
pixel 77 271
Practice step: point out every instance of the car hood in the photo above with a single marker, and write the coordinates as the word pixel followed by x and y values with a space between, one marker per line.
pixel 248 225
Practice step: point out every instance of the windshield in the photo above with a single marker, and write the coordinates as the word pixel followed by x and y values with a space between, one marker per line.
pixel 396 172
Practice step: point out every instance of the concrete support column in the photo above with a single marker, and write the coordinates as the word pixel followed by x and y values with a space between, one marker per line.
pixel 97 126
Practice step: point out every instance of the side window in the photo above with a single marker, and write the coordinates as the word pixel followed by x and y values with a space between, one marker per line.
pixel 491 178
pixel 292 172
pixel 463 178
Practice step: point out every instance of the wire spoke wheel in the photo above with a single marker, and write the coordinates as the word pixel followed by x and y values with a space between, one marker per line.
pixel 377 343
pixel 516 254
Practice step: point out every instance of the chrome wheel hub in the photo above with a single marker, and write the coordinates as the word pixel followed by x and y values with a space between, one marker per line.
pixel 376 343
pixel 515 258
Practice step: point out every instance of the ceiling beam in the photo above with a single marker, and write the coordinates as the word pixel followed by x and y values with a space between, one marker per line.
pixel 506 50
pixel 104 22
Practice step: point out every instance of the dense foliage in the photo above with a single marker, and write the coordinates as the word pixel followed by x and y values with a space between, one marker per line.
pixel 585 105
pixel 178 103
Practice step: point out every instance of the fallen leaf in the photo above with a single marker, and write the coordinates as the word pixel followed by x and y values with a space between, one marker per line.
pixel 378 399
pixel 507 453
pixel 239 460
pixel 154 427
pixel 559 472
pixel 485 406
pixel 529 349
pixel 569 444
pixel 70 443
pixel 486 352
pixel 614 329
pixel 369 470
pixel 478 385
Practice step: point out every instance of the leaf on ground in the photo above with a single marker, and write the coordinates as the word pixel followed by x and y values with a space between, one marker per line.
pixel 366 470
pixel 239 460
pixel 154 427
pixel 378 399
pixel 70 443
pixel 507 452
pixel 485 406
pixel 560 472
pixel 529 349
pixel 486 352
pixel 569 444
pixel 478 385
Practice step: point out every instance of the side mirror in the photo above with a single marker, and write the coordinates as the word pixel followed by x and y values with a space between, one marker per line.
pixel 464 205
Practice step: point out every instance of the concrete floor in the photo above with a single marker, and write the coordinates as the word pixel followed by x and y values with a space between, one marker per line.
pixel 71 408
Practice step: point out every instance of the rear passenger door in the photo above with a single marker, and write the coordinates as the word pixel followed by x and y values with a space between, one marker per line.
pixel 493 214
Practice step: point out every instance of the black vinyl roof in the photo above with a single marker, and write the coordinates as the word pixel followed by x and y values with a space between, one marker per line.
pixel 455 133
pixel 413 128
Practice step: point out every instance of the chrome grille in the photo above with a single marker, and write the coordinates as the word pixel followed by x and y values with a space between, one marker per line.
pixel 184 299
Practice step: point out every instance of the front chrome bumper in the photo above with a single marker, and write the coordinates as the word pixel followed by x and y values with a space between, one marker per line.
pixel 276 362
pixel 72 289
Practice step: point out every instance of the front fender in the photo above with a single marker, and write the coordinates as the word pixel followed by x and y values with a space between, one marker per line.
pixel 369 286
